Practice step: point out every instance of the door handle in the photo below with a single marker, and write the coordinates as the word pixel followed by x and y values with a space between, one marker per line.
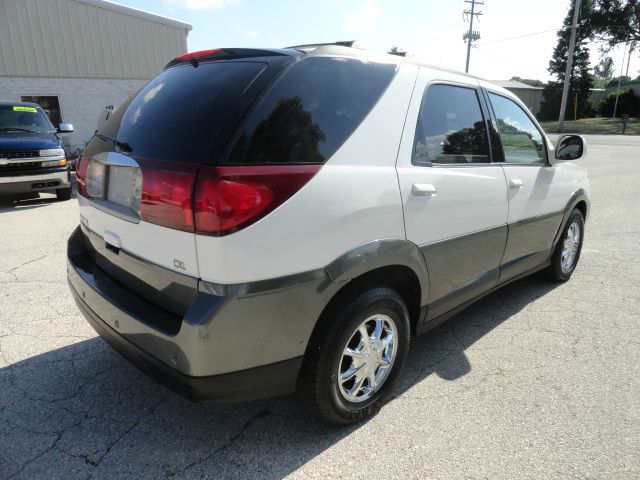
pixel 516 183
pixel 424 190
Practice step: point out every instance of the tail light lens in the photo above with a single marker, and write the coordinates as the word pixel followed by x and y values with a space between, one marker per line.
pixel 81 175
pixel 167 188
pixel 228 199
pixel 208 200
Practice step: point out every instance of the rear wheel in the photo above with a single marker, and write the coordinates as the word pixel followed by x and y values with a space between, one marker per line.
pixel 63 193
pixel 567 252
pixel 355 357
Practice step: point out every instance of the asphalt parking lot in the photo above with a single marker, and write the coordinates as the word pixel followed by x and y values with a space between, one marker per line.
pixel 538 380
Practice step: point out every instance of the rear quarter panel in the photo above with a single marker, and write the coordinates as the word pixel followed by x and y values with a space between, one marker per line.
pixel 353 199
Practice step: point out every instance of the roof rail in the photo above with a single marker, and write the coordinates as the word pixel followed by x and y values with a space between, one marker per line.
pixel 342 43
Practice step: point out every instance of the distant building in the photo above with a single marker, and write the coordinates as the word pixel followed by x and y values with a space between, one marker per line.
pixel 530 96
pixel 75 57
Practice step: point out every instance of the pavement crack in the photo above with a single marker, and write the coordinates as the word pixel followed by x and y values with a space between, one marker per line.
pixel 24 264
pixel 135 424
pixel 232 440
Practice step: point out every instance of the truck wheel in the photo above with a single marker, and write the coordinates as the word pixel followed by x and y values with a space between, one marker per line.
pixel 63 193
pixel 355 357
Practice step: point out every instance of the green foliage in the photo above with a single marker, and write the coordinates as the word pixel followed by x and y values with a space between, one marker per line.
pixel 529 81
pixel 552 96
pixel 615 21
pixel 614 81
pixel 628 103
pixel 581 80
pixel 603 72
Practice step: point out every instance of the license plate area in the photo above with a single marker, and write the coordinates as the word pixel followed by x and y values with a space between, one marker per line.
pixel 114 185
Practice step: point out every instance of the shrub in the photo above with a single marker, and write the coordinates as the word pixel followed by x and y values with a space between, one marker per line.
pixel 628 103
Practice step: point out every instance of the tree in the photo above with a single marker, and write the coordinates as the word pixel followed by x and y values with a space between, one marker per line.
pixel 529 81
pixel 616 21
pixel 613 82
pixel 603 72
pixel 581 79
pixel 628 103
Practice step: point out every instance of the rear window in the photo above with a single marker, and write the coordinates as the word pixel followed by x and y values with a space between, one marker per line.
pixel 187 113
pixel 310 111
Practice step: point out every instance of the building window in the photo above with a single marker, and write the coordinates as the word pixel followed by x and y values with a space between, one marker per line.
pixel 49 104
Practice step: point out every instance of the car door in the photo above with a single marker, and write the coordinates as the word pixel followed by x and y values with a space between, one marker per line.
pixel 536 188
pixel 454 198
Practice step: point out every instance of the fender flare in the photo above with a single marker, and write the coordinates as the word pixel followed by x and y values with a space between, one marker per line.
pixel 377 254
pixel 578 195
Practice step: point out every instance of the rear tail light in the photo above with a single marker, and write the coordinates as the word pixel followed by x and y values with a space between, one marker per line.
pixel 228 199
pixel 198 54
pixel 81 175
pixel 205 199
pixel 167 189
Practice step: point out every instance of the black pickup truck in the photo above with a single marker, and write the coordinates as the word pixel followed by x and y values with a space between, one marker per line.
pixel 32 157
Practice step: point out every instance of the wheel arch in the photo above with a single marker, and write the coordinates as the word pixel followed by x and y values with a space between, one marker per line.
pixel 579 200
pixel 397 264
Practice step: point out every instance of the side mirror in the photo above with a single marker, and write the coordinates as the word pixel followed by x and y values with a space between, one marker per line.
pixel 571 147
pixel 65 128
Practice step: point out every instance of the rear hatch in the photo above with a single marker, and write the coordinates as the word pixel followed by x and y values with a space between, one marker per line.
pixel 137 176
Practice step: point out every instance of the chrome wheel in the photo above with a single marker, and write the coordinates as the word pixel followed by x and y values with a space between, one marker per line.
pixel 570 248
pixel 367 358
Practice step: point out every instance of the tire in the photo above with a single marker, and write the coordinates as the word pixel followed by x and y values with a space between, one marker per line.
pixel 63 193
pixel 326 356
pixel 561 269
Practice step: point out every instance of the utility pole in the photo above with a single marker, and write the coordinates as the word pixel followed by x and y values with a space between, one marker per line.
pixel 567 73
pixel 471 35
pixel 615 105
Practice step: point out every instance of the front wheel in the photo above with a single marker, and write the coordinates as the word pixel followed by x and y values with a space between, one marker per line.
pixel 356 356
pixel 567 252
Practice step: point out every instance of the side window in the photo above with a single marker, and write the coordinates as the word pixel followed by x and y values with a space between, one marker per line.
pixel 451 128
pixel 521 140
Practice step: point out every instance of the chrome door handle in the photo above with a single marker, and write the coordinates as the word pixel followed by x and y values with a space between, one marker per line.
pixel 424 190
pixel 516 183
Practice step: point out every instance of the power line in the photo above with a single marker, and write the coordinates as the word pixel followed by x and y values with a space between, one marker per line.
pixel 511 62
pixel 519 36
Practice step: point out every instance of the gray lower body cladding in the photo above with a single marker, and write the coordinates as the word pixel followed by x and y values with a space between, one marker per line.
pixel 247 343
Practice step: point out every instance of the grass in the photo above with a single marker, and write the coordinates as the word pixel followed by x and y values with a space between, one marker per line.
pixel 603 126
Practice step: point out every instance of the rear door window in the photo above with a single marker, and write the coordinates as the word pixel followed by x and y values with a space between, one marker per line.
pixel 451 128
pixel 186 113
pixel 310 111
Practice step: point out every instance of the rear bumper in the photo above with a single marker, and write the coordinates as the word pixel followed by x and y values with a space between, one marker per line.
pixel 34 183
pixel 228 346
pixel 260 382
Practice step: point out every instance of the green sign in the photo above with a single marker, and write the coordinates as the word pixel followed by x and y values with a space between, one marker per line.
pixel 25 109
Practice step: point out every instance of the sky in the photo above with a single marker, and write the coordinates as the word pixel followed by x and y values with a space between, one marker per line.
pixel 429 29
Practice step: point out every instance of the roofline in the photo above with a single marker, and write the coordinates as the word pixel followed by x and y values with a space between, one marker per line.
pixel 374 55
pixel 152 17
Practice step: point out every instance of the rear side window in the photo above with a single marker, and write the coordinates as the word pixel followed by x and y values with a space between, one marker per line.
pixel 185 114
pixel 451 128
pixel 310 111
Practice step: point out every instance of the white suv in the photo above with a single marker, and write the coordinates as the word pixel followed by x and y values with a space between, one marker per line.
pixel 256 222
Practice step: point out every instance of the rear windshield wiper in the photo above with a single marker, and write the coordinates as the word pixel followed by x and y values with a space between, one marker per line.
pixel 16 129
pixel 122 146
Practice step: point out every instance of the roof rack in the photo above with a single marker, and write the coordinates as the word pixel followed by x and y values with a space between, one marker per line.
pixel 342 43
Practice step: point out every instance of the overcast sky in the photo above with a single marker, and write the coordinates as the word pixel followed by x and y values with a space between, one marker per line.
pixel 430 29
